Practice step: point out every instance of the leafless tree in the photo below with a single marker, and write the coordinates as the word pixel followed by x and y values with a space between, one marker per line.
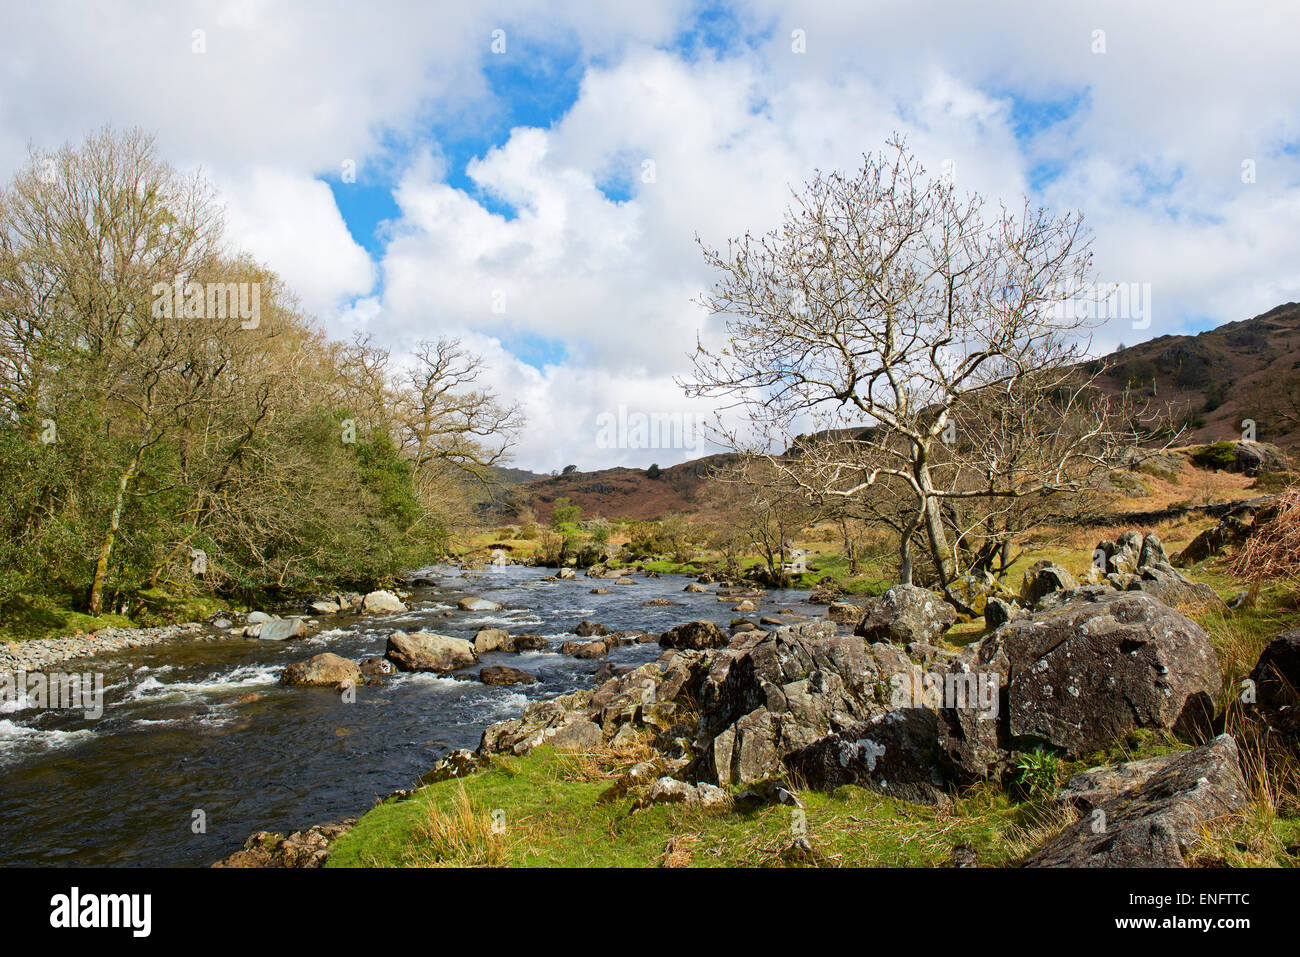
pixel 887 300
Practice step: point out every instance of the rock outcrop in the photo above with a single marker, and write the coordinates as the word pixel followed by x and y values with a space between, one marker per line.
pixel 694 634
pixel 305 849
pixel 1152 822
pixel 1078 676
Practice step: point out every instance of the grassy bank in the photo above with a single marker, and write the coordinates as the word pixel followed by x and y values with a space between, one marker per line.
pixel 554 809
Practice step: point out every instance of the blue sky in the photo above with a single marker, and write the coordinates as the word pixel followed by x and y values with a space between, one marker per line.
pixel 502 198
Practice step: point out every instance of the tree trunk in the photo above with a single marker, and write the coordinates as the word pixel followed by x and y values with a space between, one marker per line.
pixel 96 602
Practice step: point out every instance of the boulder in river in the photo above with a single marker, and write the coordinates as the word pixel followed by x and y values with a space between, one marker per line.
pixel 377 667
pixel 492 639
pixel 477 604
pixel 590 629
pixel 323 670
pixel 503 675
pixel 282 629
pixel 382 602
pixel 429 651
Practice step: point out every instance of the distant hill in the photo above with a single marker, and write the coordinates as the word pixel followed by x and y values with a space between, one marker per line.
pixel 621 492
pixel 1209 379
pixel 1212 378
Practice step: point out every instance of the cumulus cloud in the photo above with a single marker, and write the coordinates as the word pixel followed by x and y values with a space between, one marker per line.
pixel 570 260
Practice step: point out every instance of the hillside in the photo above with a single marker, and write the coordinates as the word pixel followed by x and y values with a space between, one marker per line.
pixel 1214 378
pixel 1210 379
pixel 622 492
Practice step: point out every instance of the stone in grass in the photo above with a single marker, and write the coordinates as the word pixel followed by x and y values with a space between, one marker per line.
pixel 1152 823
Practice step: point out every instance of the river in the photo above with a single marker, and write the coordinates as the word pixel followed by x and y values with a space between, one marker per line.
pixel 174 739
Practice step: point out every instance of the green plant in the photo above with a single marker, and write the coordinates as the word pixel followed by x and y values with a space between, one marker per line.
pixel 1039 772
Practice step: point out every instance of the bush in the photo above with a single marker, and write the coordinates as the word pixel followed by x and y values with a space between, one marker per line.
pixel 1216 455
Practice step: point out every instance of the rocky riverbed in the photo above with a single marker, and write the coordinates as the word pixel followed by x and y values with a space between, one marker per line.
pixel 210 726
pixel 868 696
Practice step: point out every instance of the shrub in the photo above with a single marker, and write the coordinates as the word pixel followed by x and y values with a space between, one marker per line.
pixel 1216 455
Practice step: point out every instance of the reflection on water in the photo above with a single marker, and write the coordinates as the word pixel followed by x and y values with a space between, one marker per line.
pixel 206 726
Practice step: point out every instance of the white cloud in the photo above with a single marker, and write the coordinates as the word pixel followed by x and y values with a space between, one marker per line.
pixel 292 223
pixel 286 92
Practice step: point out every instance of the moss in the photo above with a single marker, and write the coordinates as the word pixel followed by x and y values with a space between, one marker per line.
pixel 44 616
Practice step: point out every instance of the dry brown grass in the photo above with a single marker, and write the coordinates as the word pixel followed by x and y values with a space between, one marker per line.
pixel 463 836
pixel 678 852
pixel 1272 552
pixel 605 762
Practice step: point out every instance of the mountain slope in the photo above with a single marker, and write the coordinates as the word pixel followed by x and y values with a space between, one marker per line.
pixel 1213 380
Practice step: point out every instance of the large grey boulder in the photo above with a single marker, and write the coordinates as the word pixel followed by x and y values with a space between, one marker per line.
pixel 770 694
pixel 429 651
pixel 894 753
pixel 1252 458
pixel 1151 823
pixel 1092 788
pixel 1081 674
pixel 906 614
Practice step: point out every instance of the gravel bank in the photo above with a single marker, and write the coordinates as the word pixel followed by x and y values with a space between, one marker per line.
pixel 40 653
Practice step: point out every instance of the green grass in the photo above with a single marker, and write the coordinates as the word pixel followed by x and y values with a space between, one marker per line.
pixel 554 815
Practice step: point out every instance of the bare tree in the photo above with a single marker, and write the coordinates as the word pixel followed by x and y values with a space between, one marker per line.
pixel 887 300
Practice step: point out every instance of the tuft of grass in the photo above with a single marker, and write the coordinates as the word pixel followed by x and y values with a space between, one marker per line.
pixel 462 835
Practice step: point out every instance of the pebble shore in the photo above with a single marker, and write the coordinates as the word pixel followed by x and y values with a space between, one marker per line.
pixel 41 653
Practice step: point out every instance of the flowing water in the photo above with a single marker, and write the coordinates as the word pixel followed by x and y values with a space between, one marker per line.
pixel 178 734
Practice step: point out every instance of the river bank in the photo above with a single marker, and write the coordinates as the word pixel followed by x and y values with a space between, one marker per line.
pixel 38 654
pixel 207 726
